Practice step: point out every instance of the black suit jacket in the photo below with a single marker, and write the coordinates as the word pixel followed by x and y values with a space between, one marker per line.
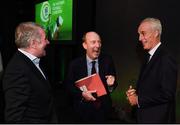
pixel 156 89
pixel 78 70
pixel 28 96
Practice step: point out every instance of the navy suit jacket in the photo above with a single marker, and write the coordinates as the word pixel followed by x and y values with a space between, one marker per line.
pixel 156 89
pixel 78 70
pixel 28 95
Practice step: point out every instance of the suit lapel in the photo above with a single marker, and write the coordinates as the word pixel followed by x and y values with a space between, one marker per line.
pixel 33 67
pixel 100 67
pixel 83 67
pixel 84 64
pixel 102 73
pixel 147 68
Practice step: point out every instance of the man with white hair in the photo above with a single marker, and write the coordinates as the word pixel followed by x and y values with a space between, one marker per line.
pixel 156 87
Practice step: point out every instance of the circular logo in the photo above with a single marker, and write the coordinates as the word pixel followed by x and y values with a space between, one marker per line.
pixel 45 11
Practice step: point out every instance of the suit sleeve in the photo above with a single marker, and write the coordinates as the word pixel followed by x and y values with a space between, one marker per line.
pixel 16 89
pixel 70 83
pixel 169 78
pixel 112 71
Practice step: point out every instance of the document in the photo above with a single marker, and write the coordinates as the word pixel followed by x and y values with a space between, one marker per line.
pixel 92 82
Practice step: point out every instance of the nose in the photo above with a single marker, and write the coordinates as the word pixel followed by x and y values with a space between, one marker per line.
pixel 140 37
pixel 47 41
pixel 98 44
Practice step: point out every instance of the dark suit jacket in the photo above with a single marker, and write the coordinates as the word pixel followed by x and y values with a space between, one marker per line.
pixel 78 70
pixel 28 96
pixel 156 89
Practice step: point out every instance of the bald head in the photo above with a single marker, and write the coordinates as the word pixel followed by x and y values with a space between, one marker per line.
pixel 92 44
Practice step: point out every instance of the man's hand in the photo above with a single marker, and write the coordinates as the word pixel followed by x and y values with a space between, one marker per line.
pixel 133 99
pixel 110 80
pixel 132 96
pixel 130 91
pixel 88 95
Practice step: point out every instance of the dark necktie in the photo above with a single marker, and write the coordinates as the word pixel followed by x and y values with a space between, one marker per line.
pixel 96 103
pixel 93 70
pixel 147 58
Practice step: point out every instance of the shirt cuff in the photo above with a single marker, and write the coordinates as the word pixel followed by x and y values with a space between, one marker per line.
pixel 138 103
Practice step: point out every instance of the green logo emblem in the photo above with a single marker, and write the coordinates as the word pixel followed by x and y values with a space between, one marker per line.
pixel 45 11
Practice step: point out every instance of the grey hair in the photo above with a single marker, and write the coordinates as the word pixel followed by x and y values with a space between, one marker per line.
pixel 27 32
pixel 156 23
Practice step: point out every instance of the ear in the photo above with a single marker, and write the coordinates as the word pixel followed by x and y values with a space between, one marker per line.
pixel 33 44
pixel 156 33
pixel 84 45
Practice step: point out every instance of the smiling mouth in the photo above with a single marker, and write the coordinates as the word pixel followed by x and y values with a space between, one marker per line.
pixel 144 43
pixel 97 51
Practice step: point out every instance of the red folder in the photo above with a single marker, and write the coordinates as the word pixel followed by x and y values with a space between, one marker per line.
pixel 92 82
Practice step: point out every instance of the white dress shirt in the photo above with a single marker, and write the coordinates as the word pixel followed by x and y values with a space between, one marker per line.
pixel 152 51
pixel 89 65
pixel 34 59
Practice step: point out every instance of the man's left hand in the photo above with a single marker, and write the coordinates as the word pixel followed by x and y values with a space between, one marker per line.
pixel 110 80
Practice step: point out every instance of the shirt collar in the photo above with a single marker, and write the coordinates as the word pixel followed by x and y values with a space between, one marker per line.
pixel 30 56
pixel 90 60
pixel 152 51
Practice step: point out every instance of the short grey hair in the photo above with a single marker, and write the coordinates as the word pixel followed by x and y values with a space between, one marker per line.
pixel 25 33
pixel 156 23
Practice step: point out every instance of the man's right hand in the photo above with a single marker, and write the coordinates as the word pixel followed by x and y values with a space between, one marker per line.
pixel 131 96
pixel 87 95
pixel 130 91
